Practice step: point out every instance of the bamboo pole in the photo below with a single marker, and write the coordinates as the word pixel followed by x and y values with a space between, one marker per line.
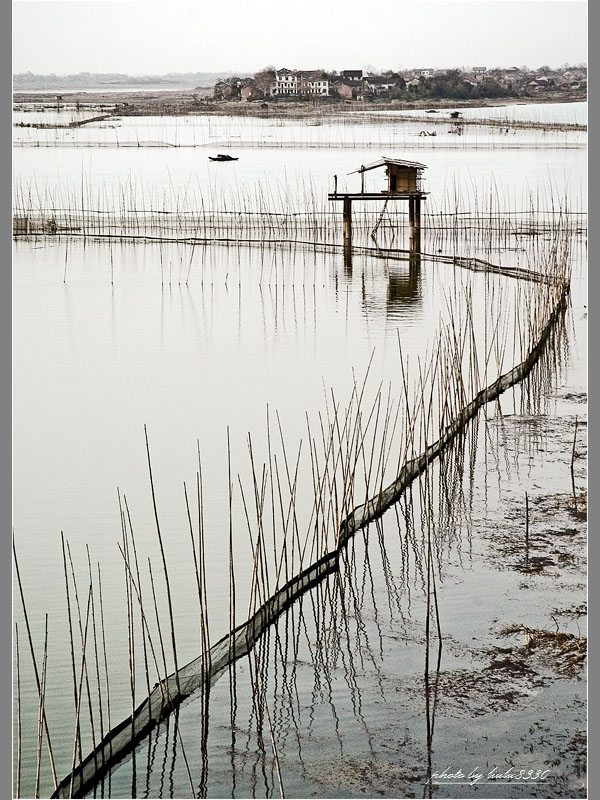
pixel 35 669
pixel 41 712
pixel 19 743
pixel 166 571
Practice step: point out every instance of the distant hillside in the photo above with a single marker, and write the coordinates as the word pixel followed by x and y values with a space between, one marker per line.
pixel 84 80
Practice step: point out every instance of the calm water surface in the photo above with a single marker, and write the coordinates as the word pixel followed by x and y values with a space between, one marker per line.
pixel 95 361
pixel 539 113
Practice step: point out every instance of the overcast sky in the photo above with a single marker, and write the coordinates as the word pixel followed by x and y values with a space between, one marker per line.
pixel 69 36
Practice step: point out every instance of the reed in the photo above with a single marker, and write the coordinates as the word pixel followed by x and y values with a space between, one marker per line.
pixel 138 591
pixel 18 711
pixel 78 707
pixel 41 712
pixel 166 571
pixel 35 668
pixel 73 670
pixel 84 660
pixel 352 452
pixel 573 457
pixel 296 213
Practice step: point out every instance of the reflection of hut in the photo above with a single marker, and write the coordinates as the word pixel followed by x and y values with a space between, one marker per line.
pixel 404 288
pixel 397 292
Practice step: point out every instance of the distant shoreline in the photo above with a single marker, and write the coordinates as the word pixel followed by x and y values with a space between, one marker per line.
pixel 174 102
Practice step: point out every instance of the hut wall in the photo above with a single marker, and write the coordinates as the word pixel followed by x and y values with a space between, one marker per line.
pixel 406 180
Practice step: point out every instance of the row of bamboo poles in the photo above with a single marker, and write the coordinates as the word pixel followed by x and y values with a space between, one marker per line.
pixel 359 459
pixel 344 131
pixel 295 214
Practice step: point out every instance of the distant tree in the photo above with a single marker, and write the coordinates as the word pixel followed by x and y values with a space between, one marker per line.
pixel 265 78
pixel 494 89
pixel 450 84
pixel 399 91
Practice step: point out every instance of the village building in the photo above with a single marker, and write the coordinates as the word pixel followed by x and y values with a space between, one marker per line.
pixel 345 90
pixel 426 72
pixel 314 82
pixel 251 92
pixel 226 90
pixel 539 84
pixel 349 90
pixel 354 84
pixel 378 85
pixel 286 83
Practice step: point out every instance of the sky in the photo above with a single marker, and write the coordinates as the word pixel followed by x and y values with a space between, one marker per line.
pixel 153 38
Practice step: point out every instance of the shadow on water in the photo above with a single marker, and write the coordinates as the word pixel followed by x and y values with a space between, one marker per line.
pixel 334 640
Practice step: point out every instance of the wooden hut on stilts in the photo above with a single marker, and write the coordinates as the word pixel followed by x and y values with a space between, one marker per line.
pixel 404 182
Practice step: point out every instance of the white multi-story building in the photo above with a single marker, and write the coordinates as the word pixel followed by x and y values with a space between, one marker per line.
pixel 314 83
pixel 289 82
pixel 286 83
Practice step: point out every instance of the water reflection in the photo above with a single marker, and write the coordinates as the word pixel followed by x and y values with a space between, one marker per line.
pixel 404 287
pixel 398 291
pixel 342 647
pixel 318 686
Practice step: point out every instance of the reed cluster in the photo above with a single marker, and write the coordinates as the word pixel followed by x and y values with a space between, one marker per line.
pixel 301 507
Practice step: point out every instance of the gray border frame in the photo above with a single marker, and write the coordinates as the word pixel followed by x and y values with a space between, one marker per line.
pixel 593 381
pixel 6 665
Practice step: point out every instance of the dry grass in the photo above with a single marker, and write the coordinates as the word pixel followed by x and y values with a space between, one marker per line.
pixel 565 652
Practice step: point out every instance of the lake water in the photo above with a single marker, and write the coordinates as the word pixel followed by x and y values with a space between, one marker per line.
pixel 195 341
pixel 536 113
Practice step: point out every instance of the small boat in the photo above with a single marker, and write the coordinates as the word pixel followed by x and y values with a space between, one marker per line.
pixel 222 157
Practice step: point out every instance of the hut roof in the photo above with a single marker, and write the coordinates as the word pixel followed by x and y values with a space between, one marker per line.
pixel 400 162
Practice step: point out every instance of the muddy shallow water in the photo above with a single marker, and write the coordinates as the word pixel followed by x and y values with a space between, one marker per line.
pixel 342 674
pixel 348 708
